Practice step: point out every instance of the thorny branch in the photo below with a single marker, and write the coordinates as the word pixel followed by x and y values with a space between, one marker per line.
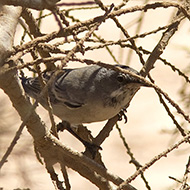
pixel 155 159
pixel 184 184
pixel 70 33
pixel 133 159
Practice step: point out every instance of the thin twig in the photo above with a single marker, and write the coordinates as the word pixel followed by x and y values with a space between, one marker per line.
pixel 74 4
pixel 80 43
pixel 13 143
pixel 181 130
pixel 140 21
pixel 167 35
pixel 47 99
pixel 104 133
pixel 54 177
pixel 133 159
pixel 184 184
pixel 155 159
pixel 65 176
pixel 123 31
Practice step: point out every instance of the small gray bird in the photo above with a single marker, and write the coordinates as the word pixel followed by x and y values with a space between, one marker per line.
pixel 88 94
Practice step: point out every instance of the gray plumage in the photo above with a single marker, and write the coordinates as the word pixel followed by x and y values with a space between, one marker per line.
pixel 87 94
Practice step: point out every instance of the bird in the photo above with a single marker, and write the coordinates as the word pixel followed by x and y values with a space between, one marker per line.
pixel 87 94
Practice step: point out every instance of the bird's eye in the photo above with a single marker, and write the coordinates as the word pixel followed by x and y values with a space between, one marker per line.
pixel 121 78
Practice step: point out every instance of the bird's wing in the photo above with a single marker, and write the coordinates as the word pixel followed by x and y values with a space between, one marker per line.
pixel 70 87
pixel 60 90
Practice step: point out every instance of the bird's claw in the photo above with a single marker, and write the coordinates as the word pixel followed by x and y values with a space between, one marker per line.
pixel 122 115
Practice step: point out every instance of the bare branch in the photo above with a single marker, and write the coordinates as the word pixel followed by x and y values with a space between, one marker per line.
pixel 8 22
pixel 155 159
pixel 184 184
pixel 158 50
pixel 12 145
pixel 37 4
pixel 133 159
pixel 63 46
pixel 65 176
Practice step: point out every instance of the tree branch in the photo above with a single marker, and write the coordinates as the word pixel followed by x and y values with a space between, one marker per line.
pixel 8 21
pixel 37 4
pixel 158 50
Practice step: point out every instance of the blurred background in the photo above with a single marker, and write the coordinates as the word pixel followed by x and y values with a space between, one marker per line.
pixel 149 130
